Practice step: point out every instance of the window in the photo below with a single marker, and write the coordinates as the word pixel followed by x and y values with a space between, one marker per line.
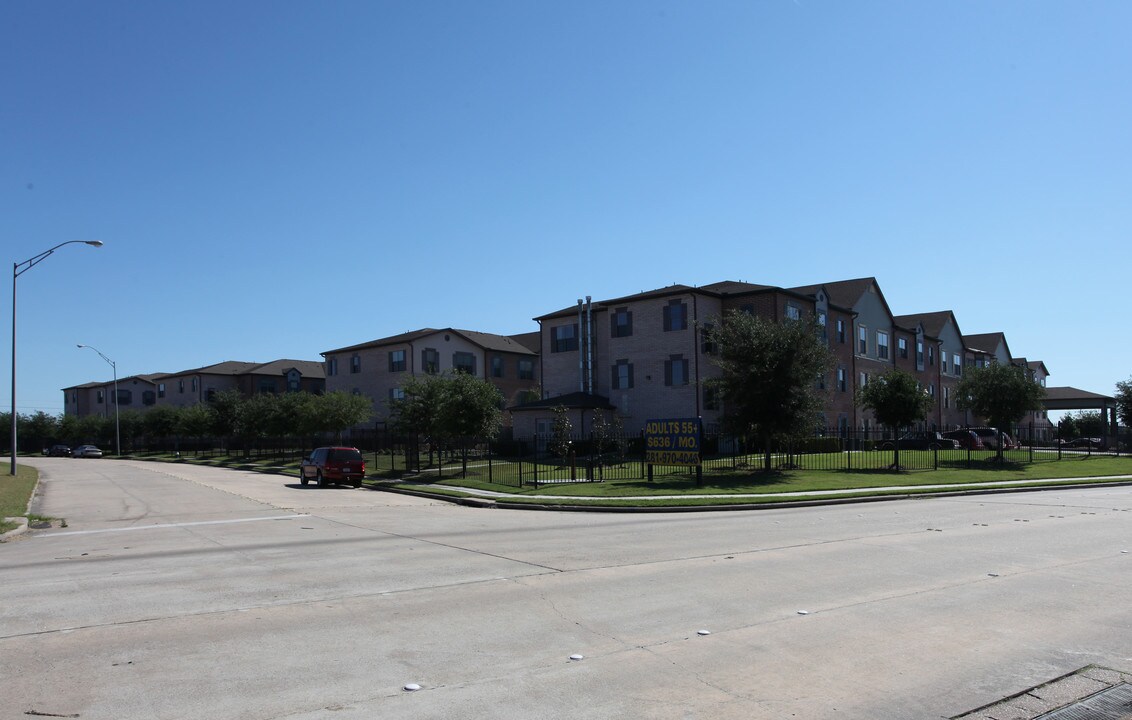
pixel 882 345
pixel 396 394
pixel 149 397
pixel 294 381
pixel 564 338
pixel 396 361
pixel 823 326
pixel 863 380
pixel 430 361
pixel 931 355
pixel 711 397
pixel 902 348
pixel 707 339
pixel 621 323
pixel 181 386
pixel 675 315
pixel 101 396
pixel 160 390
pixel 792 312
pixel 931 389
pixel 862 340
pixel 526 369
pixel 267 386
pixel 676 370
pixel 194 385
pixel 946 396
pixel 919 354
pixel 464 362
pixel 355 364
pixel 956 364
pixel 622 375
pixel 496 366
pixel 125 397
pixel 842 385
pixel 841 331
pixel 332 366
pixel 210 394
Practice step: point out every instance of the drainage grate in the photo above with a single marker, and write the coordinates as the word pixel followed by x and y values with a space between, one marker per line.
pixel 1112 704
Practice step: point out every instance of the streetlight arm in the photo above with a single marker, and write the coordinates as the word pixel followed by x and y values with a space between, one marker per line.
pixel 32 262
pixel 108 360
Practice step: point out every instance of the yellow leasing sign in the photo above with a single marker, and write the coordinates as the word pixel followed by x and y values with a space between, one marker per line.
pixel 672 442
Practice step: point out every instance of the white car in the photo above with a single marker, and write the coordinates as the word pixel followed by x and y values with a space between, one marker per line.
pixel 86 451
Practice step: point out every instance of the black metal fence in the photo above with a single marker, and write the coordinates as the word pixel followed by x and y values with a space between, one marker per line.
pixel 542 460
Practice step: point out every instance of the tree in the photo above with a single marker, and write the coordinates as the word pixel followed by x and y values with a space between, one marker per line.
pixel 1124 401
pixel 447 407
pixel 897 401
pixel 37 430
pixel 196 421
pixel 560 432
pixel 337 411
pixel 1002 394
pixel 767 386
pixel 1089 423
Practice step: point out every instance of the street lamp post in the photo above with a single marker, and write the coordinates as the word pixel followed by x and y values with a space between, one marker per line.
pixel 117 430
pixel 17 270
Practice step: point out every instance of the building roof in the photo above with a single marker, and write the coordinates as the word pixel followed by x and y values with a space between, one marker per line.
pixel 722 289
pixel 1071 398
pixel 933 322
pixel 306 368
pixel 986 342
pixel 150 378
pixel 487 341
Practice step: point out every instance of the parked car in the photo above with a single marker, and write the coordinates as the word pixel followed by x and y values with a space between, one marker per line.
pixel 967 439
pixel 58 451
pixel 1084 442
pixel 86 451
pixel 922 441
pixel 989 436
pixel 333 465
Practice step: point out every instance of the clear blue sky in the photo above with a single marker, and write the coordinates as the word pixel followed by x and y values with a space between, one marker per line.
pixel 276 179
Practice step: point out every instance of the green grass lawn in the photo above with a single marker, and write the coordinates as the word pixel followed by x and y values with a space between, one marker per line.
pixel 798 480
pixel 15 492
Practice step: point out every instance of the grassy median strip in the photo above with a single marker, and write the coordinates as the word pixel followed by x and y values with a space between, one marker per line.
pixel 15 492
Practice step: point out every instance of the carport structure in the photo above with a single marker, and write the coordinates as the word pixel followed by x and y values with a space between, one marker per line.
pixel 1071 398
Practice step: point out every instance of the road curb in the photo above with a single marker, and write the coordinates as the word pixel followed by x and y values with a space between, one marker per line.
pixel 503 504
pixel 23 528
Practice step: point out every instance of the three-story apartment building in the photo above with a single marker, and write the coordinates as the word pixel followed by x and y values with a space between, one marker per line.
pixel 378 368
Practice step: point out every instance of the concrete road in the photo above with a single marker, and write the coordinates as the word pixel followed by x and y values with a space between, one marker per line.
pixel 184 592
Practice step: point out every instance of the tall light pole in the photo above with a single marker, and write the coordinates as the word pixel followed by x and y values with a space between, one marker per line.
pixel 117 430
pixel 17 270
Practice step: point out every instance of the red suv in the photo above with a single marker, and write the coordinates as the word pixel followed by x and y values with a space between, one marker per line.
pixel 330 465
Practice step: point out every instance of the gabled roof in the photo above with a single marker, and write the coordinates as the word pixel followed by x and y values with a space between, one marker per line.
pixel 150 378
pixel 722 289
pixel 986 342
pixel 531 341
pixel 844 293
pixel 606 304
pixel 933 322
pixel 306 368
pixel 487 341
pixel 734 287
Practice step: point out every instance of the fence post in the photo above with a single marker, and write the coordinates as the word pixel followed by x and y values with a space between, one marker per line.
pixel 644 453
